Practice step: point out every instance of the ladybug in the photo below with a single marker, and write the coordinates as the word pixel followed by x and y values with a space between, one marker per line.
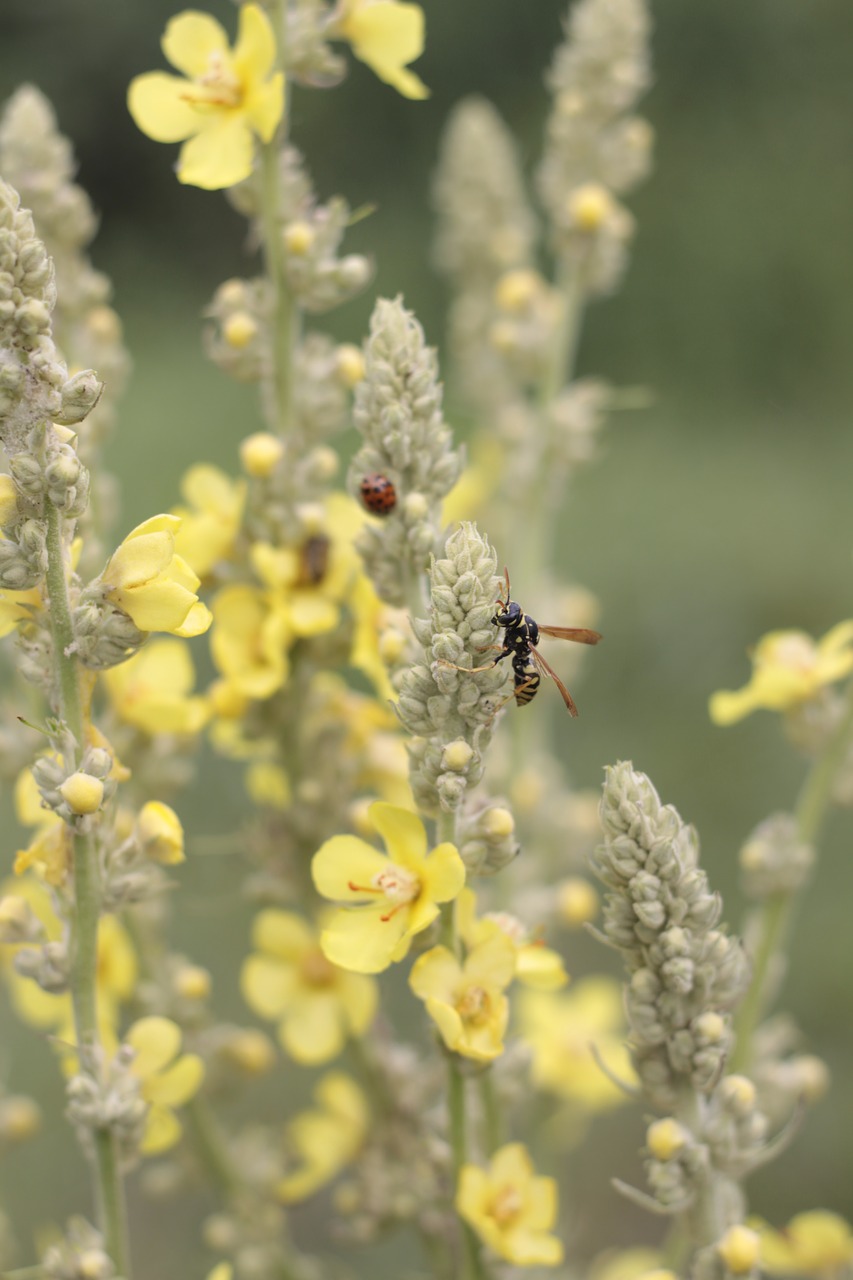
pixel 378 494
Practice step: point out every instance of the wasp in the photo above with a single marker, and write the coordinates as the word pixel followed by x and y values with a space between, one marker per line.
pixel 521 635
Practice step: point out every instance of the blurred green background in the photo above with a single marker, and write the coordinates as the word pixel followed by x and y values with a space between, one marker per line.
pixel 720 513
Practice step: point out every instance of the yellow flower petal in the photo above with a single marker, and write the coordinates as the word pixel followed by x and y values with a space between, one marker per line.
pixel 364 941
pixel 190 39
pixel 387 35
pixel 156 1042
pixel 162 1131
pixel 196 622
pixel 157 102
pixel 176 1085
pixel 282 934
pixel 345 861
pixel 254 51
pixel 402 831
pixel 219 156
pixel 265 105
pixel 139 559
pixel 444 873
pixel 435 973
pixel 267 986
pixel 314 1032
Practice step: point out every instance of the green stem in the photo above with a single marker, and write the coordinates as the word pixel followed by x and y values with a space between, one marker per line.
pixel 471 1269
pixel 284 316
pixel 776 913
pixel 109 1191
pixel 492 1118
pixel 211 1146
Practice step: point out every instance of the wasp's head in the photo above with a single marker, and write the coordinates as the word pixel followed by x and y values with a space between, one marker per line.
pixel 509 614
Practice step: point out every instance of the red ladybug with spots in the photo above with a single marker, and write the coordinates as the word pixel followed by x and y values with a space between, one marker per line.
pixel 378 494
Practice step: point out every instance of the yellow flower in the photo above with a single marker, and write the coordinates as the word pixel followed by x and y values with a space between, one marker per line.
pixel 249 641
pixel 154 586
pixel 17 606
pixel 467 1001
pixel 788 668
pixel 319 1005
pixel 229 96
pixel 387 35
pixel 153 690
pixel 116 975
pixel 817 1243
pixel 314 579
pixel 168 1081
pixel 510 1208
pixel 49 850
pixel 160 834
pixel 535 965
pixel 559 1028
pixel 325 1140
pixel 211 521
pixel 392 898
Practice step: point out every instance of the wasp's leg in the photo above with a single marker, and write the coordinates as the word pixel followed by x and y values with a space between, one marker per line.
pixel 504 653
pixel 519 688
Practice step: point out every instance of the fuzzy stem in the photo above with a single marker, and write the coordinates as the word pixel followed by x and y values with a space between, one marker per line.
pixel 109 1190
pixel 211 1145
pixel 284 313
pixel 776 913
pixel 456 1097
pixel 492 1118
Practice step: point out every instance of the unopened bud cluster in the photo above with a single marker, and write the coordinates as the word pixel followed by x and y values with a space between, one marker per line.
pixel 486 838
pixel 79 1255
pixel 685 972
pixel 405 439
pixel 450 711
pixel 529 310
pixel 75 792
pixel 595 145
pixel 309 59
pixel 104 636
pixel 111 1099
pixel 485 228
pixel 774 859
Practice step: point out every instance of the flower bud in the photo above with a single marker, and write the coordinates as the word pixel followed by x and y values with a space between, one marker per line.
pixel 589 206
pixel 740 1249
pixel 192 982
pixel 577 902
pixel 80 394
pixel 20 1119
pixel 260 454
pixel 239 329
pixel 457 755
pixel 299 238
pixel 498 824
pixel 350 364
pixel 666 1138
pixel 82 793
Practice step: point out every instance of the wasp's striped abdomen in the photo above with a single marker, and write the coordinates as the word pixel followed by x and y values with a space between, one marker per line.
pixel 527 679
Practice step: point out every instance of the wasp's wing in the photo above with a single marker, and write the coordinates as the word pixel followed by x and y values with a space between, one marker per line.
pixel 566 696
pixel 581 635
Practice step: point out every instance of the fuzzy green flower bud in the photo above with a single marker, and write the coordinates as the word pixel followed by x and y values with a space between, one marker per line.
pixel 398 412
pixel 80 394
pixel 662 916
pixel 447 708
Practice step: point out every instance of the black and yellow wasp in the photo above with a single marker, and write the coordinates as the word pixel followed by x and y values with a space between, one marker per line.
pixel 521 635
